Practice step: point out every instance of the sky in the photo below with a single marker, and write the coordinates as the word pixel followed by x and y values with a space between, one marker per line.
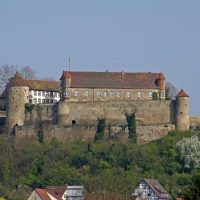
pixel 98 35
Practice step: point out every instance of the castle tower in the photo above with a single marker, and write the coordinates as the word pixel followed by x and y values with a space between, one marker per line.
pixel 62 112
pixel 182 111
pixel 161 83
pixel 65 85
pixel 17 98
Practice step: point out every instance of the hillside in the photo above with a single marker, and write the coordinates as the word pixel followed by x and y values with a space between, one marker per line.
pixel 106 166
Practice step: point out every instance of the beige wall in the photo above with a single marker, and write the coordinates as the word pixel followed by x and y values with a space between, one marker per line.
pixel 88 94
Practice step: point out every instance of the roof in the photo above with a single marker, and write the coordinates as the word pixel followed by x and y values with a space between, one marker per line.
pixel 56 191
pixel 75 191
pixel 43 194
pixel 120 80
pixel 44 85
pixel 182 93
pixel 158 189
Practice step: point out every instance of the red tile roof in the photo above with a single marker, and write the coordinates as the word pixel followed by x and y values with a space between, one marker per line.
pixel 45 85
pixel 43 194
pixel 56 191
pixel 182 93
pixel 120 80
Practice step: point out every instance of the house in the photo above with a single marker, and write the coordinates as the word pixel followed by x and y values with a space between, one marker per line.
pixel 40 91
pixel 49 193
pixel 58 193
pixel 74 193
pixel 151 189
pixel 105 86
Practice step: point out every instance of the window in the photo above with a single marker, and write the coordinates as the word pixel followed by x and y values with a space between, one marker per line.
pixel 47 101
pixel 48 94
pixel 118 94
pixel 35 93
pixel 105 93
pixel 30 101
pixel 128 94
pixel 43 101
pixel 51 94
pixel 86 93
pixel 34 100
pixel 39 93
pixel 112 94
pixel 150 95
pixel 66 94
pixel 76 93
pixel 98 93
pixel 51 100
pixel 43 93
pixel 139 94
pixel 39 100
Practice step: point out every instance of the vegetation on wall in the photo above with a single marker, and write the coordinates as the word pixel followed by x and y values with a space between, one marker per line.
pixel 29 107
pixel 41 134
pixel 101 124
pixel 155 96
pixel 131 121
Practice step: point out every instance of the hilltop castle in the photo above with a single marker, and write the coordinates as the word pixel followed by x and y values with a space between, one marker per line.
pixel 69 108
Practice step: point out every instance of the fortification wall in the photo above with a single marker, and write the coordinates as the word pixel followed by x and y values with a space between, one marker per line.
pixel 147 112
pixel 194 121
pixel 87 133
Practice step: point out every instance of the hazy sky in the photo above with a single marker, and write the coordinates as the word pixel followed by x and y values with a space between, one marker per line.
pixel 99 35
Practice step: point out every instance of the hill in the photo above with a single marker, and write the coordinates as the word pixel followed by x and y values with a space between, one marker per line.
pixel 105 166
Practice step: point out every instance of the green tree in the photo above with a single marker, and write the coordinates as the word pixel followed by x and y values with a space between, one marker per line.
pixel 193 192
pixel 130 118
pixel 41 135
pixel 100 129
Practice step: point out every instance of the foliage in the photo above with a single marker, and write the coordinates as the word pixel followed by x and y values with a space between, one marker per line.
pixel 41 135
pixel 29 107
pixel 108 168
pixel 171 91
pixel 131 120
pixel 193 192
pixel 189 149
pixel 100 129
pixel 155 96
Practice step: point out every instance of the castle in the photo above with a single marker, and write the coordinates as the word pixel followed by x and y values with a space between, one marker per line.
pixel 69 109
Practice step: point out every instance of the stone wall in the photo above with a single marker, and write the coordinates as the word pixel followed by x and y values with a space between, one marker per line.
pixel 194 121
pixel 87 133
pixel 147 112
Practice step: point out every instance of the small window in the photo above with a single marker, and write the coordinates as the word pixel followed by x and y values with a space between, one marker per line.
pixel 76 93
pixel 128 94
pixel 51 100
pixel 105 93
pixel 43 93
pixel 139 94
pixel 118 94
pixel 35 93
pixel 73 122
pixel 150 95
pixel 34 100
pixel 98 93
pixel 48 94
pixel 86 93
pixel 39 100
pixel 39 93
pixel 30 101
pixel 47 101
pixel 51 94
pixel 112 94
pixel 43 101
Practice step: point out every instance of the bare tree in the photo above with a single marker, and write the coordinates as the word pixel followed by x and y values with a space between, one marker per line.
pixel 171 91
pixel 27 72
pixel 6 72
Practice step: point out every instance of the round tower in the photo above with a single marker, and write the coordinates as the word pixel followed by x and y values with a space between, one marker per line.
pixel 17 96
pixel 62 112
pixel 182 111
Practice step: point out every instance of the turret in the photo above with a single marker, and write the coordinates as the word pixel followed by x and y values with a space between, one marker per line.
pixel 161 83
pixel 65 85
pixel 182 111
